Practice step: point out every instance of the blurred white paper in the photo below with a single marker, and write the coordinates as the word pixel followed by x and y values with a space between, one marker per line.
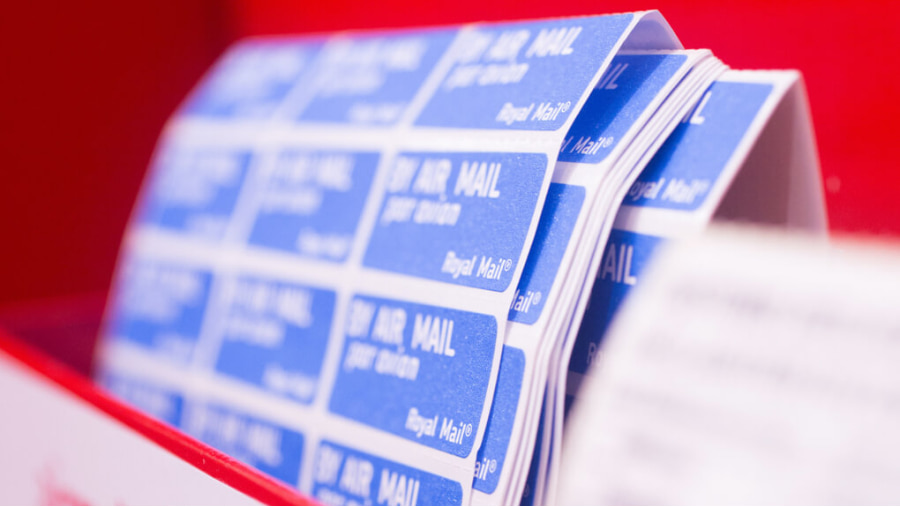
pixel 748 367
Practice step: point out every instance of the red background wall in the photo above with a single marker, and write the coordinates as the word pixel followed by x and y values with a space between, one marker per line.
pixel 86 88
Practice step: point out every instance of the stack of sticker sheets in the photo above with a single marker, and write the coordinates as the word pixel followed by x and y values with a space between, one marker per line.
pixel 360 261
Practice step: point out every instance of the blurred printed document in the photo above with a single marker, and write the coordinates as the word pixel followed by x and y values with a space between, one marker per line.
pixel 748 367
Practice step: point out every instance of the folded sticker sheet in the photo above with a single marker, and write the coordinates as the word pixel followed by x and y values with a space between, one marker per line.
pixel 318 275
pixel 359 261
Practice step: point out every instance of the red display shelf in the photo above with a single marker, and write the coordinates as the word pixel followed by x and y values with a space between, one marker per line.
pixel 62 391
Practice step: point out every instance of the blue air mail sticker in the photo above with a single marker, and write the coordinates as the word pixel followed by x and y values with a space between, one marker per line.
pixel 460 218
pixel 499 428
pixel 416 371
pixel 524 76
pixel 685 169
pixel 252 79
pixel 371 79
pixel 194 190
pixel 344 476
pixel 269 448
pixel 561 209
pixel 274 336
pixel 497 463
pixel 160 307
pixel 311 202
pixel 162 403
pixel 621 97
pixel 625 257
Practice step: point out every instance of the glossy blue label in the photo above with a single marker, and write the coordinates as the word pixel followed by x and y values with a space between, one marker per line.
pixel 499 426
pixel 345 476
pixel 311 202
pixel 624 92
pixel 684 170
pixel 265 446
pixel 163 404
pixel 417 371
pixel 625 256
pixel 160 306
pixel 195 190
pixel 370 80
pixel 460 218
pixel 522 76
pixel 274 336
pixel 252 79
pixel 558 219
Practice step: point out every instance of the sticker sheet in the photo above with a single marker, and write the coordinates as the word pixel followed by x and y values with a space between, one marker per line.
pixel 319 272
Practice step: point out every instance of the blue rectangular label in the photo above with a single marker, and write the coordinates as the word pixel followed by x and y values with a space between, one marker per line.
pixel 561 209
pixel 345 476
pixel 684 170
pixel 253 79
pixel 163 404
pixel 416 371
pixel 624 258
pixel 498 430
pixel 311 202
pixel 624 92
pixel 275 335
pixel 160 307
pixel 522 76
pixel 269 448
pixel 195 190
pixel 460 218
pixel 371 79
